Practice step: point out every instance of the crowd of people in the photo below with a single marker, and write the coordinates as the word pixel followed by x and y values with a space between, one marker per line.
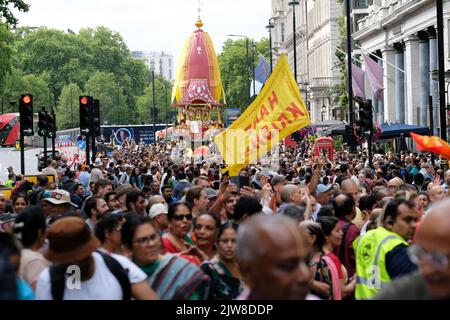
pixel 140 225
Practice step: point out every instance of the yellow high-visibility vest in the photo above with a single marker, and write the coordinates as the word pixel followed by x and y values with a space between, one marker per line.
pixel 370 251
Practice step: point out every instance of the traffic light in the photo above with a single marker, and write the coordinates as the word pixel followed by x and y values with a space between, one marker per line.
pixel 51 132
pixel 42 124
pixel 96 122
pixel 349 136
pixel 26 114
pixel 365 114
pixel 86 114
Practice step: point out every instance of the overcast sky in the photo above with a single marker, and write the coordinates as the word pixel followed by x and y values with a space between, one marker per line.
pixel 153 25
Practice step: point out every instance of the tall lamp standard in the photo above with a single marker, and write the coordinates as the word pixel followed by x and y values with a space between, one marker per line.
pixel 253 67
pixel 248 65
pixel 153 105
pixel 293 4
pixel 269 27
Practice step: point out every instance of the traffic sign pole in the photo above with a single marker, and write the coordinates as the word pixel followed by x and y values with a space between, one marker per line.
pixel 22 152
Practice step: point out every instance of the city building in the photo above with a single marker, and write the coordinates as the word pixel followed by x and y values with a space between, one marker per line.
pixel 402 34
pixel 317 37
pixel 159 61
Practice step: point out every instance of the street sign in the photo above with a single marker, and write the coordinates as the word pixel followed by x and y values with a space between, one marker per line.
pixel 81 145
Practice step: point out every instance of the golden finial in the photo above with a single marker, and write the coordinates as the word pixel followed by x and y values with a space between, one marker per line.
pixel 199 22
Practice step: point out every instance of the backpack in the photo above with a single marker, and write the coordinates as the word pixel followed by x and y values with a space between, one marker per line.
pixel 35 197
pixel 57 277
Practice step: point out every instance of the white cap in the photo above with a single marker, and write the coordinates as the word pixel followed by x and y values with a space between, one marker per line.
pixel 157 209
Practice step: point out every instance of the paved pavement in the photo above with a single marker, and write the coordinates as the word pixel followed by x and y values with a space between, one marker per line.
pixel 11 157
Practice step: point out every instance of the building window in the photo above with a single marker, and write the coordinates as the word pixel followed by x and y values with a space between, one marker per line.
pixel 360 4
pixel 282 32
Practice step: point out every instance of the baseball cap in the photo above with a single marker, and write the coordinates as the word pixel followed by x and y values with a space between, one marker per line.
pixel 211 193
pixel 60 196
pixel 321 188
pixel 122 189
pixel 157 209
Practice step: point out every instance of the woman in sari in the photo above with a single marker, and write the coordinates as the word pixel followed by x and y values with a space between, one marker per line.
pixel 172 277
pixel 223 269
pixel 177 240
pixel 333 236
pixel 325 283
pixel 205 234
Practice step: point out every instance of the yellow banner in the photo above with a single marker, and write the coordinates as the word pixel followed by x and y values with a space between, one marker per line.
pixel 276 112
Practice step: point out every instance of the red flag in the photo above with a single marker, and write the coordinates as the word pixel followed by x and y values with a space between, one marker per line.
pixel 432 144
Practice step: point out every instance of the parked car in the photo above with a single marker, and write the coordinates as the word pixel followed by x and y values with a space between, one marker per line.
pixel 41 163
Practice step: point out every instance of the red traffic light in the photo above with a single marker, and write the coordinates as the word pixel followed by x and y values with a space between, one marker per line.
pixel 84 100
pixel 26 99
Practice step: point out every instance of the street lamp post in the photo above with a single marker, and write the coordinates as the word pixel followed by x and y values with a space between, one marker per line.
pixel 153 105
pixel 293 4
pixel 167 116
pixel 253 67
pixel 269 27
pixel 349 69
pixel 248 65
pixel 118 106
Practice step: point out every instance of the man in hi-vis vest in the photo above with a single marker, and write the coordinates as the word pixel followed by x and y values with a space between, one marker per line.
pixel 381 254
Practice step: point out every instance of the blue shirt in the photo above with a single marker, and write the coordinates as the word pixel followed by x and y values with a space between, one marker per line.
pixel 398 262
pixel 24 290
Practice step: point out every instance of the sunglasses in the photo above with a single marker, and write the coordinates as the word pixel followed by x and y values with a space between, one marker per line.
pixel 180 217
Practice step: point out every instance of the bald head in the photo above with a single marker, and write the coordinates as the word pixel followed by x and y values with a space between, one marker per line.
pixel 434 237
pixel 394 184
pixel 436 193
pixel 288 192
pixel 155 199
pixel 350 186
pixel 264 244
pixel 261 229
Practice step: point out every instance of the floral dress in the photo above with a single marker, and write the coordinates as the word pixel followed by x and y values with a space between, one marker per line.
pixel 224 286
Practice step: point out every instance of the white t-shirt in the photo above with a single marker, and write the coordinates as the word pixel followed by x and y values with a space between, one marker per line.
pixel 103 285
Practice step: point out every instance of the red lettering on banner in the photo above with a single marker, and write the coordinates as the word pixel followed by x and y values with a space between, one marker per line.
pixel 295 110
pixel 264 111
pixel 273 100
pixel 274 125
pixel 283 119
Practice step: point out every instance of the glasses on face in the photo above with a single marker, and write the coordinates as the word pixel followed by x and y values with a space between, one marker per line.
pixel 143 241
pixel 417 254
pixel 180 217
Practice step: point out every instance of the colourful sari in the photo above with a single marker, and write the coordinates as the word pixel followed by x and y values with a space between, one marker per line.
pixel 327 272
pixel 224 286
pixel 174 278
pixel 169 247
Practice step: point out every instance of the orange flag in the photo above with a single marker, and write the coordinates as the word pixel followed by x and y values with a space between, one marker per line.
pixel 432 144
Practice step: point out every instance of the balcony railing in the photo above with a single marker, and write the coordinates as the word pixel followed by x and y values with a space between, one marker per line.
pixel 323 82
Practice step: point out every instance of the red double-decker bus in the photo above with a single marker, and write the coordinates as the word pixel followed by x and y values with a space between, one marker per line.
pixel 9 129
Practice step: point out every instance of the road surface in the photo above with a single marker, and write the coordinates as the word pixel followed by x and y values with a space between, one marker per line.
pixel 11 157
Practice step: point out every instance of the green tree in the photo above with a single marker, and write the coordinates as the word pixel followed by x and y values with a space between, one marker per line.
pixel 67 110
pixel 6 16
pixel 113 108
pixel 6 53
pixel 144 102
pixel 17 84
pixel 61 58
pixel 233 69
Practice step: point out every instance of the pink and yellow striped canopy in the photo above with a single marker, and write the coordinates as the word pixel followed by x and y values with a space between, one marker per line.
pixel 198 63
